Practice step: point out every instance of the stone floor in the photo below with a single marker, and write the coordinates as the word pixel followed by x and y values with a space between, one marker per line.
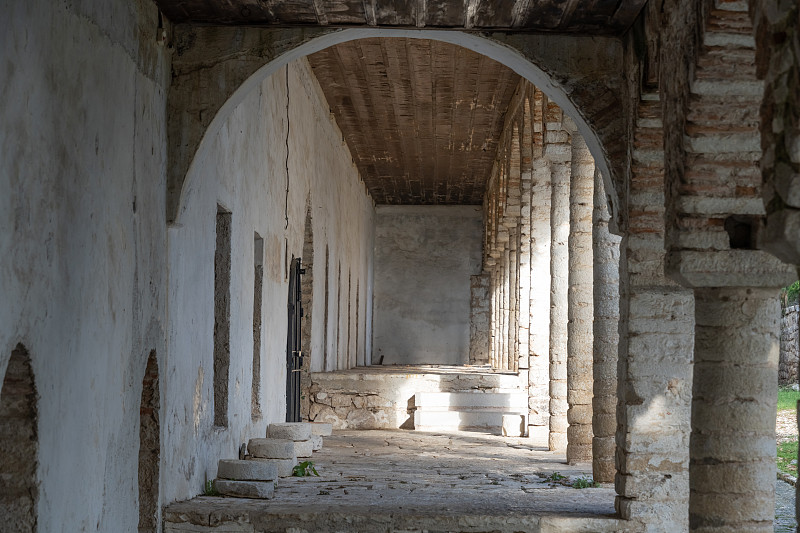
pixel 785 521
pixel 395 480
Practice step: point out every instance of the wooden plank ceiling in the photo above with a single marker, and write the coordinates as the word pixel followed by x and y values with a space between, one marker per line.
pixel 422 118
pixel 565 16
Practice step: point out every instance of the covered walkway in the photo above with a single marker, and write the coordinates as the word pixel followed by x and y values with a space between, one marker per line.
pixel 397 480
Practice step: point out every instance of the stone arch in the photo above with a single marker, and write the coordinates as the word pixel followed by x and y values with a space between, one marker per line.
pixel 580 74
pixel 149 448
pixel 19 445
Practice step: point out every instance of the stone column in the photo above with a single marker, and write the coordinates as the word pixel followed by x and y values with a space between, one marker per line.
pixel 559 265
pixel 513 303
pixel 580 307
pixel 732 466
pixel 656 349
pixel 505 311
pixel 606 337
pixel 524 272
pixel 539 359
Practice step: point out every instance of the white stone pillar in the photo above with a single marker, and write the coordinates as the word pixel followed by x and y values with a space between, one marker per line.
pixel 506 276
pixel 580 307
pixel 559 265
pixel 513 303
pixel 606 337
pixel 539 360
pixel 732 466
pixel 524 272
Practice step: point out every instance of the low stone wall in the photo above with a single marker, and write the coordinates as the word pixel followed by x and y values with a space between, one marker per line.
pixel 383 397
pixel 790 349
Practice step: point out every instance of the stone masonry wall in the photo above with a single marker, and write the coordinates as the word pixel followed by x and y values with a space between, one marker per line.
pixel 790 349
pixel 777 33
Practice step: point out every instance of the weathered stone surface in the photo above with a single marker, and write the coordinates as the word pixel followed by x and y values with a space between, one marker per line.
pixel 559 288
pixel 316 442
pixel 303 448
pixel 789 346
pixel 271 448
pixel 296 431
pixel 245 489
pixel 580 302
pixel 321 429
pixel 605 250
pixel 733 488
pixel 386 392
pixel 242 470
pixel 409 481
pixel 283 466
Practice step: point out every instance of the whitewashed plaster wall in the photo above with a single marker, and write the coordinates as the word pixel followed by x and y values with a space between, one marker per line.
pixel 244 170
pixel 83 240
pixel 424 257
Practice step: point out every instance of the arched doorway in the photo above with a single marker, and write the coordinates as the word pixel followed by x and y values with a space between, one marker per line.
pixel 18 445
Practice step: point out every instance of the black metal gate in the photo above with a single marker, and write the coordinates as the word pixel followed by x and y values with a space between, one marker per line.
pixel 294 355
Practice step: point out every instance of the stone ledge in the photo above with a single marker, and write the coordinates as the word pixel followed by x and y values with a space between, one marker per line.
pixel 729 268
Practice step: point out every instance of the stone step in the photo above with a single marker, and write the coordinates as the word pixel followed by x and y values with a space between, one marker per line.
pixel 475 400
pixel 239 470
pixel 283 466
pixel 272 448
pixel 303 448
pixel 245 489
pixel 488 421
pixel 380 397
pixel 296 431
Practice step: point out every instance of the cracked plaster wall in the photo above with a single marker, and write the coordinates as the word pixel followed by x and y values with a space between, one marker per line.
pixel 83 240
pixel 246 161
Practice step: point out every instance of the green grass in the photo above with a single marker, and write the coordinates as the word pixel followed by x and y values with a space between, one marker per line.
pixel 787 399
pixel 787 452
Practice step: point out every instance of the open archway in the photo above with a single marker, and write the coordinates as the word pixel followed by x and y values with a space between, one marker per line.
pixel 18 445
pixel 580 76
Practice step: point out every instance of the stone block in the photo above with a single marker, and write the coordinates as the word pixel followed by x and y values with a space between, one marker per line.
pixel 514 425
pixel 303 448
pixel 245 489
pixel 284 466
pixel 295 431
pixel 271 448
pixel 316 442
pixel 322 429
pixel 235 469
pixel 579 414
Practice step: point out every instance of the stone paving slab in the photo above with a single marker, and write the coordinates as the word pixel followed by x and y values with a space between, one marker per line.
pixel 785 521
pixel 395 480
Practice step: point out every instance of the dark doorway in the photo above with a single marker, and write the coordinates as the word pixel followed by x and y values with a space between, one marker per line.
pixel 18 445
pixel 294 356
